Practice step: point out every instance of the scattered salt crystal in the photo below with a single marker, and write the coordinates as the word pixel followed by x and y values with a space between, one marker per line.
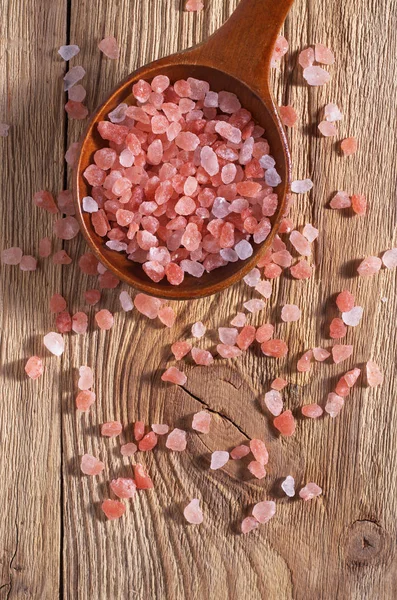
pixel 316 75
pixel 300 243
pixel 290 313
pixel 109 47
pixel 369 266
pixel 167 316
pixel 264 511
pixel 288 486
pixel 249 524
pixel 86 378
pixel 341 352
pixel 218 459
pixel 54 343
pixel 345 301
pixel 320 354
pixel 301 186
pixel 228 351
pixel 84 400
pixel 104 319
pixel 148 442
pixel 43 199
pixel 389 258
pixel 4 129
pixel 374 374
pixel 337 329
pixel 254 305
pixel 327 129
pixel 91 465
pixel 113 509
pixel 77 93
pixel 306 58
pixel 275 348
pixel 67 52
pixel 34 367
pixel 73 76
pixel 202 357
pixel 323 55
pixel 301 270
pixel 239 452
pixel 311 490
pixel 252 278
pixel 192 512
pixel 353 316
pixel 288 115
pixel 142 479
pixel 72 153
pixel 128 449
pixel 123 487
pixel 45 247
pixel 285 423
pixel 180 349
pixel 359 204
pixel 239 320
pixel 198 329
pixel 310 232
pixel 228 335
pixel 278 384
pixel 259 451
pixel 174 375
pixel 147 305
pixel 176 440
pixel 126 301
pixel 256 469
pixel 79 322
pixel 332 113
pixel 201 421
pixel 160 429
pixel 334 404
pixel 11 256
pixel 312 411
pixel 349 146
pixel 111 429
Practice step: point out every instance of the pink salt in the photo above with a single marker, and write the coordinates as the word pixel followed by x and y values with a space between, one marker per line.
pixel 198 329
pixel 345 301
pixel 290 313
pixel 337 329
pixel 288 115
pixel 239 452
pixel 176 440
pixel 341 352
pixel 80 322
pixel 92 297
pixel 285 423
pixel 374 374
pixel 246 337
pixel 278 384
pixel 193 513
pixel 104 319
pixel 139 430
pixel 249 524
pixel 320 354
pixel 369 266
pixel 353 316
pixel 275 348
pixel 264 511
pixel 327 129
pixel 167 316
pixel 142 479
pixel 148 442
pixel 359 204
pixel 76 110
pixel 274 402
pixel 306 58
pixel 304 363
pixel 316 76
pixel 256 469
pixel 84 400
pixel 54 343
pixel 218 459
pixel 259 451
pixel 85 381
pixel 147 305
pixel 389 258
pixel 57 303
pixel 228 351
pixel 123 487
pixel 174 375
pixel 45 247
pixel 109 47
pixel 63 322
pixel 301 270
pixel 264 333
pixel 334 404
pixel 310 491
pixel 128 449
pixel 61 258
pixel 300 243
pixel 180 349
pixel 239 320
pixel 111 429
pixel 67 228
pixel 43 199
pixel 323 55
pixel 28 263
pixel 160 429
pixel 312 411
pixel 91 465
pixel 201 422
pixel 340 200
pixel 113 509
pixel 349 146
pixel 202 357
pixel 34 367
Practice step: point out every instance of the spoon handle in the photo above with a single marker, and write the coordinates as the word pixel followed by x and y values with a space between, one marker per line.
pixel 243 46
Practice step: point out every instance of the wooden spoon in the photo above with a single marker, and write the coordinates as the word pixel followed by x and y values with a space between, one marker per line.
pixel 236 58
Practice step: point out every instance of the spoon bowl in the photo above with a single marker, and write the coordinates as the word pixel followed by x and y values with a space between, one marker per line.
pixel 222 63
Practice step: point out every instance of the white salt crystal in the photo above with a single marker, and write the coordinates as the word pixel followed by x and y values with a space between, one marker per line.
pixel 54 342
pixel 192 267
pixel 228 335
pixel 301 186
pixel 264 288
pixel 243 249
pixel 220 208
pixel 332 113
pixel 116 245
pixel 67 52
pixel 72 77
pixel 272 178
pixel 266 161
pixel 229 254
pixel 90 205
pixel 353 316
pixel 118 114
pixel 389 258
pixel 288 486
pixel 211 100
pixel 198 329
pixel 253 277
pixel 218 459
pixel 254 305
pixel 126 158
pixel 126 301
pixel 310 232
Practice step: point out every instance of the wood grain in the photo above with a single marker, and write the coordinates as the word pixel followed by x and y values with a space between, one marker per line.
pixel 53 538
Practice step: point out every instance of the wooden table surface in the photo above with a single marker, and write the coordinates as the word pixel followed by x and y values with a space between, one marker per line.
pixel 54 541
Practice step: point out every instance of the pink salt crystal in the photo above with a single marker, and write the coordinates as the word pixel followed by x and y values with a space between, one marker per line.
pixel 341 352
pixel 54 343
pixel 249 524
pixel 113 509
pixel 374 374
pixel 123 487
pixel 201 421
pixel 353 316
pixel 239 320
pixel 352 376
pixel 65 202
pixel 239 452
pixel 337 329
pixel 104 319
pixel 316 75
pixel 174 375
pixel 176 440
pixel 174 273
pixel 111 429
pixel 246 337
pixel 264 511
pixel 254 305
pixel 228 173
pixel 73 76
pixel 126 301
pixel 180 349
pixel 187 141
pixel 128 449
pixel 259 451
pixel 77 93
pixel 272 271
pixel 341 388
pixel 282 258
pixel 285 423
pixel 327 129
pixel 79 322
pixel 109 47
pixel 63 322
pixel 147 305
pixel 320 354
pixel 348 146
pixel 274 348
pixel 257 469
pixel 4 129
pixel 57 303
pixel 76 110
pixel 345 301
pixel 280 48
pixel 227 131
pixel 61 258
pixel 198 329
pixel 45 247
pixel 300 243
pixel 139 430
pixel 389 258
pixel 252 278
pixel 264 288
pixel 160 429
pixel 340 200
pixel 306 58
pixel 323 54
pixel 192 512
pixel 334 404
pixel 202 357
pixel 107 280
pixel 148 442
pixel 34 367
pixel 311 490
pixel 154 270
pixel 359 204
pixel 142 479
pixel 92 297
pixel 209 160
pixel 228 335
pixel 84 400
pixel 274 402
pixel 218 459
pixel 369 266
pixel 160 83
pixel 228 351
pixel 332 113
pixel 141 90
pixel 290 313
pixel 44 199
pixel 312 411
pixel 86 378
pixel 72 153
pixel 304 363
pixel 11 256
pixel 310 232
pixel 278 384
pixel 302 270
pixel 288 115
pixel 91 465
pixel 167 316
pixel 67 228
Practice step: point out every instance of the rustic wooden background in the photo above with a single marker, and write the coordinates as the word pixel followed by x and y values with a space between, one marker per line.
pixel 54 542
